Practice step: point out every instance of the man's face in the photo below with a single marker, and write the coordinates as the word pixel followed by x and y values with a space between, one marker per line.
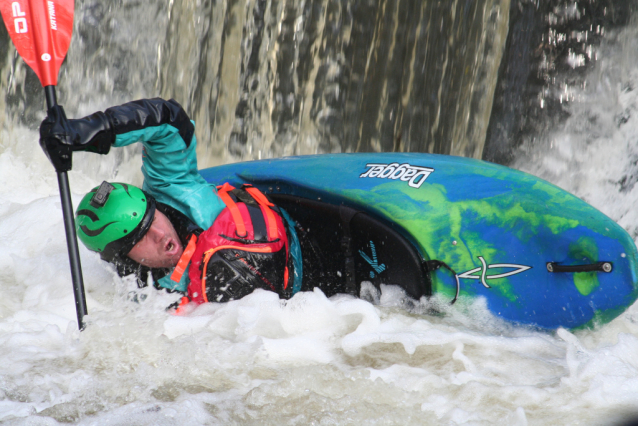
pixel 160 247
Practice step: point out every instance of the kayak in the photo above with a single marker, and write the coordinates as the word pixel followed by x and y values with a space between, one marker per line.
pixel 455 228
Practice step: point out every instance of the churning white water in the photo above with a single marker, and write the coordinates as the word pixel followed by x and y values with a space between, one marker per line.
pixel 309 360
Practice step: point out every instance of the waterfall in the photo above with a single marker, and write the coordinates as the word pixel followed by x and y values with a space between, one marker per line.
pixel 271 78
pixel 551 48
pixel 280 78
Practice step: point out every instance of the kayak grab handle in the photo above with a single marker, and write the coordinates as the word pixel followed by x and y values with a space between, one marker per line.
pixel 592 267
pixel 433 265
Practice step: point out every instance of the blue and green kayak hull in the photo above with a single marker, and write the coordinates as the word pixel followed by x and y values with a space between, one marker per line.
pixel 497 228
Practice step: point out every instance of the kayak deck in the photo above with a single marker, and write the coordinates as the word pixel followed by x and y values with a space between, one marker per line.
pixel 497 228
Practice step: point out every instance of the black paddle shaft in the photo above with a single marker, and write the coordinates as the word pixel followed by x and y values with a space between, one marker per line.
pixel 69 226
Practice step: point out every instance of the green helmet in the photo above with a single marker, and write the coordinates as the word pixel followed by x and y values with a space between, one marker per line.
pixel 112 218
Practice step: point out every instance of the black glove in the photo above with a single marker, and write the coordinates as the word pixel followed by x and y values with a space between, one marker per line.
pixel 59 137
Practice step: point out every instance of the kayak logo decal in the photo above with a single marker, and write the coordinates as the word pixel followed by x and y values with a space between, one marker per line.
pixel 516 269
pixel 413 175
pixel 373 261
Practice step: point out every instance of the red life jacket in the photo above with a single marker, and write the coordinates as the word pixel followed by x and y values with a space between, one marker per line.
pixel 245 248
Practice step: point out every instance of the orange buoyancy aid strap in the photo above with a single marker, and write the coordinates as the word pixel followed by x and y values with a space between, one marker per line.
pixel 226 187
pixel 209 253
pixel 269 216
pixel 271 222
pixel 265 204
pixel 234 210
pixel 181 308
pixel 286 270
pixel 183 261
pixel 257 195
pixel 286 278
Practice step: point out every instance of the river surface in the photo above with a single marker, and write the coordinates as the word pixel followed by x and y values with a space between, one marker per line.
pixel 309 360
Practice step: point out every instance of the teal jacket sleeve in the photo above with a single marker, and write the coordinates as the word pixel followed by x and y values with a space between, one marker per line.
pixel 169 156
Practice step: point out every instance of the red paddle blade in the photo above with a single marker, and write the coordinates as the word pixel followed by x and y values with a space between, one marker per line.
pixel 41 32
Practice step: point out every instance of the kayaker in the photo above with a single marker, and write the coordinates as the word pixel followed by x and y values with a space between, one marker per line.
pixel 178 230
